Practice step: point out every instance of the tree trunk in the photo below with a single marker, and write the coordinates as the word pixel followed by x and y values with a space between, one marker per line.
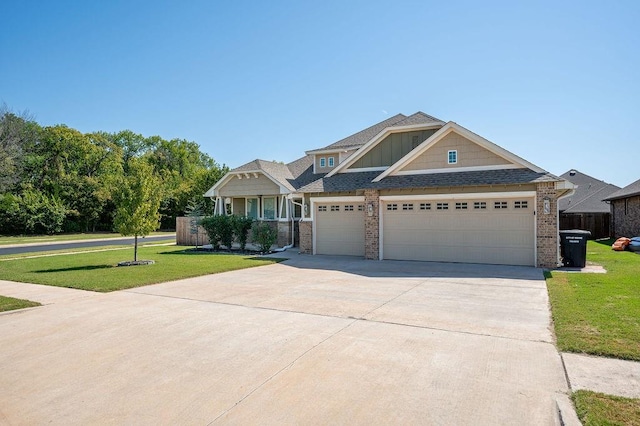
pixel 135 248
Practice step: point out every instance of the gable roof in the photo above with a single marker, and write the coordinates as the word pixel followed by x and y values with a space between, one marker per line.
pixel 362 137
pixel 588 194
pixel 279 173
pixel 455 127
pixel 630 190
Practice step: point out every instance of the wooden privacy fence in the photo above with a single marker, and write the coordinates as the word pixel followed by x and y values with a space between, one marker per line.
pixel 189 233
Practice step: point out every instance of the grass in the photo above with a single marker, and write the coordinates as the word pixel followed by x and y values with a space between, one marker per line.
pixel 598 314
pixel 10 304
pixel 98 271
pixel 599 409
pixel 25 239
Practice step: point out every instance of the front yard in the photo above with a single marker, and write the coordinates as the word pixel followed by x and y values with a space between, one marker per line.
pixel 10 304
pixel 599 314
pixel 97 271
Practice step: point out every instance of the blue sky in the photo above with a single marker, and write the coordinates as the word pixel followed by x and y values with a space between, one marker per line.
pixel 554 82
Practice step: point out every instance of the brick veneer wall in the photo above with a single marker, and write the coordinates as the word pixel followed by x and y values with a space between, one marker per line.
pixel 626 224
pixel 306 237
pixel 547 244
pixel 371 225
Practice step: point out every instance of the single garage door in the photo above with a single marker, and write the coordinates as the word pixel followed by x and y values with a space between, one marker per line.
pixel 339 228
pixel 497 231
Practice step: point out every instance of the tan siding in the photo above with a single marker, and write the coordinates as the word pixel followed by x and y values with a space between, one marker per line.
pixel 470 154
pixel 326 169
pixel 249 186
pixel 392 148
pixel 340 232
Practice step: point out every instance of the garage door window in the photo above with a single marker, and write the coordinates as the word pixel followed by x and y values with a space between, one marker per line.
pixel 520 205
pixel 322 208
pixel 461 206
pixel 425 206
pixel 348 208
pixel 392 207
pixel 335 208
pixel 442 206
pixel 360 207
pixel 480 205
pixel 500 205
pixel 407 206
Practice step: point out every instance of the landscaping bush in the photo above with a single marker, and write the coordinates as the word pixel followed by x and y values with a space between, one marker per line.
pixel 220 230
pixel 264 236
pixel 241 227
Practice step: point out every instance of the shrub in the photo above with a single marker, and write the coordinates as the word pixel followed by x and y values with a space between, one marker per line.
pixel 241 227
pixel 264 236
pixel 219 229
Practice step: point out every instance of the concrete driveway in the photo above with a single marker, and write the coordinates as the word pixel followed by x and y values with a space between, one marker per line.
pixel 314 340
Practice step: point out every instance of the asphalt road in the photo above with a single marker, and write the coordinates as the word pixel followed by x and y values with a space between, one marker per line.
pixel 80 244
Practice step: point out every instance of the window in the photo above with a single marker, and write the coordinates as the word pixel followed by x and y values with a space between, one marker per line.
pixel 392 207
pixel 335 208
pixel 500 205
pixel 323 162
pixel 442 206
pixel 348 208
pixel 269 208
pixel 251 208
pixel 425 206
pixel 452 156
pixel 360 207
pixel 330 161
pixel 461 206
pixel 322 208
pixel 520 205
pixel 480 205
pixel 407 206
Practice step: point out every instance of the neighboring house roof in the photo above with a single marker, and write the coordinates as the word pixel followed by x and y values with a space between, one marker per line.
pixel 364 180
pixel 630 190
pixel 588 195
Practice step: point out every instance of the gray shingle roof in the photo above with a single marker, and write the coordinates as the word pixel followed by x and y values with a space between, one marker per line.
pixel 278 171
pixel 419 118
pixel 363 136
pixel 588 194
pixel 630 190
pixel 354 181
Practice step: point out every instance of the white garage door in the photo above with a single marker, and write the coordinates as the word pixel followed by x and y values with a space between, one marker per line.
pixel 497 231
pixel 339 228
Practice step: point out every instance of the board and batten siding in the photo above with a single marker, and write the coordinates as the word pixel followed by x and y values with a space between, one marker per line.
pixel 392 148
pixel 470 154
pixel 261 185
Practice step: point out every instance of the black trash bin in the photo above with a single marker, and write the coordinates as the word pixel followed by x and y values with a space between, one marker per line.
pixel 573 247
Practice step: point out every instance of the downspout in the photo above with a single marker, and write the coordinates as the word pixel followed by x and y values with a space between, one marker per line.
pixel 278 250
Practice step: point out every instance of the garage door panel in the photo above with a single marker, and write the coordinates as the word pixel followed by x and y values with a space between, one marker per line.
pixel 499 236
pixel 339 231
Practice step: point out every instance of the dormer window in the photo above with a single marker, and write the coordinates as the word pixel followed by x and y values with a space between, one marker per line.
pixel 452 157
pixel 323 162
pixel 330 161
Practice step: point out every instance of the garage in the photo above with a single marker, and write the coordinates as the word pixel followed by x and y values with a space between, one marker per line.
pixel 471 228
pixel 339 227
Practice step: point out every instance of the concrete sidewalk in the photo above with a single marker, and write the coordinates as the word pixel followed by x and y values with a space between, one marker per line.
pixel 606 375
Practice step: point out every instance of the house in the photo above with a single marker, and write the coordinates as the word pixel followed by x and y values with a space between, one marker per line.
pixel 585 208
pixel 410 188
pixel 625 210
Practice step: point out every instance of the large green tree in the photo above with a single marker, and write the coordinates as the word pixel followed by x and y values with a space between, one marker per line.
pixel 137 200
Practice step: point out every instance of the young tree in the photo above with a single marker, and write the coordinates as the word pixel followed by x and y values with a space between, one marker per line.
pixel 137 200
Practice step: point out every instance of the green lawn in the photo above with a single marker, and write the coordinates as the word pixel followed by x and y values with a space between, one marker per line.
pixel 98 271
pixel 599 314
pixel 10 304
pixel 600 409
pixel 22 239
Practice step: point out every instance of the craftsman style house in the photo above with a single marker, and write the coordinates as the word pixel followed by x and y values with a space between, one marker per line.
pixel 408 188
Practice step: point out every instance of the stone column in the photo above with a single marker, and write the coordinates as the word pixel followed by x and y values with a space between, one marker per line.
pixel 547 243
pixel 306 242
pixel 371 224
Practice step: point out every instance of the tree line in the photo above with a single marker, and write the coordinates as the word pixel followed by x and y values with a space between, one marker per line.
pixel 58 179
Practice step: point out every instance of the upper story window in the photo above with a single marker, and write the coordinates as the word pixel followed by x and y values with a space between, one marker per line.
pixel 330 161
pixel 323 162
pixel 452 156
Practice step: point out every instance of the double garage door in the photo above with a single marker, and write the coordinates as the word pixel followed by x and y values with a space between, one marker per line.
pixel 495 231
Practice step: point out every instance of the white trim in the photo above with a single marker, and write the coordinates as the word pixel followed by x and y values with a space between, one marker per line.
pixel 314 200
pixel 331 161
pixel 367 169
pixel 444 131
pixel 455 154
pixel 322 160
pixel 457 169
pixel 460 196
pixel 378 138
